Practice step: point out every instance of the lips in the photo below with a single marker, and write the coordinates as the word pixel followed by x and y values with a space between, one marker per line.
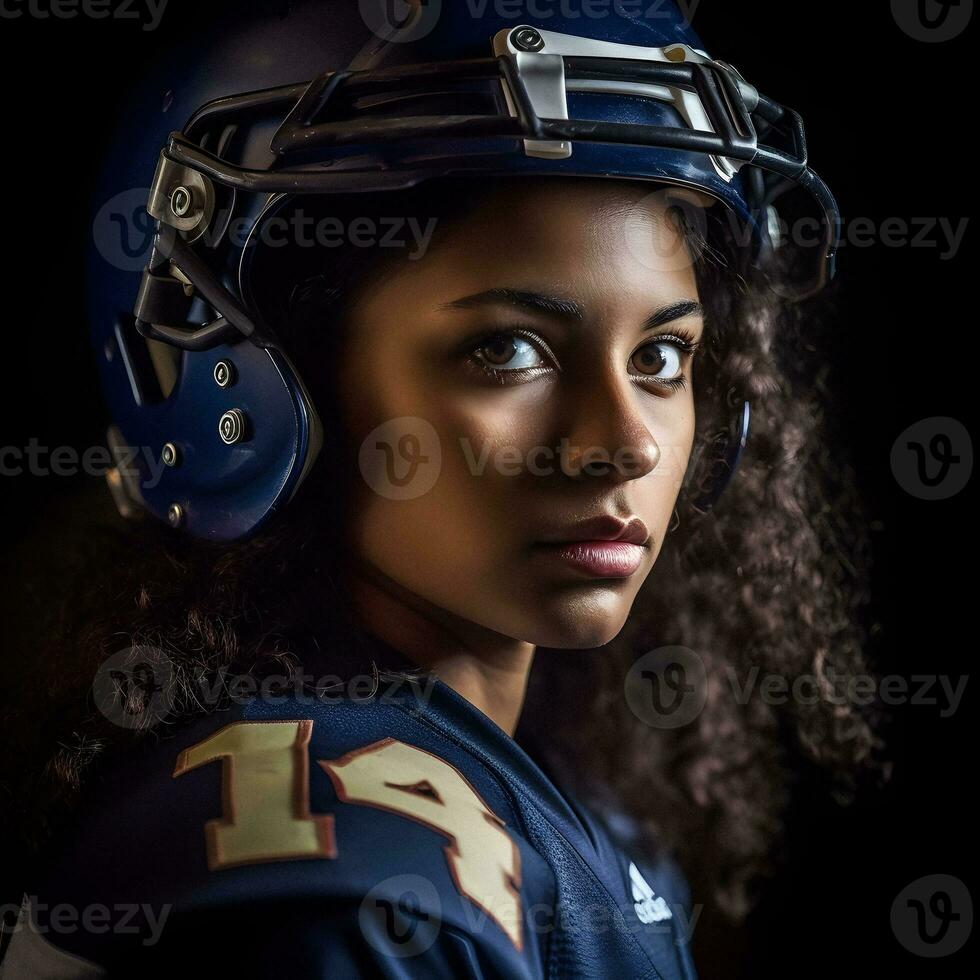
pixel 603 547
pixel 600 559
pixel 607 527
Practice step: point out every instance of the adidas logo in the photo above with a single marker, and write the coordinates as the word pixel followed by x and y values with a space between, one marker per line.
pixel 649 908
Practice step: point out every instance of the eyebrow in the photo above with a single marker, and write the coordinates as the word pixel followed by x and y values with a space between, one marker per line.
pixel 566 309
pixel 535 302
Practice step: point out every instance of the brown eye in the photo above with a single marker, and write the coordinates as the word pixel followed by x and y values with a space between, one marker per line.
pixel 509 352
pixel 499 350
pixel 661 360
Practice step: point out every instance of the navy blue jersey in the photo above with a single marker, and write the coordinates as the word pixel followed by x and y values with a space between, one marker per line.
pixel 403 835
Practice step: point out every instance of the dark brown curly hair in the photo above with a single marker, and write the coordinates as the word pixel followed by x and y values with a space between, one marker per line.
pixel 770 583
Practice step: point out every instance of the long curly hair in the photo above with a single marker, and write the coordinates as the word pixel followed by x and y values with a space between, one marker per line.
pixel 772 582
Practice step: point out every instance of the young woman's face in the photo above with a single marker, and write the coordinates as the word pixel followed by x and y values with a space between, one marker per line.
pixel 530 373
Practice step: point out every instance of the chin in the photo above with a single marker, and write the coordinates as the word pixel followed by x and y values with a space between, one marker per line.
pixel 577 632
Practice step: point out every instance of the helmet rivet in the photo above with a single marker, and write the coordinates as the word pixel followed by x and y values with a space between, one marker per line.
pixel 527 39
pixel 175 515
pixel 181 201
pixel 231 426
pixel 224 374
pixel 169 454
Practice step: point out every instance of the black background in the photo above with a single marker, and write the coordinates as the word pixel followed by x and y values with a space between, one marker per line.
pixel 880 109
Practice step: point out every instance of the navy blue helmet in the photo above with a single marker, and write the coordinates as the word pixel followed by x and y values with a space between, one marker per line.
pixel 360 97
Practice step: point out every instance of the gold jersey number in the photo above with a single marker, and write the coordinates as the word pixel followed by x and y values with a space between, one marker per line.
pixel 266 807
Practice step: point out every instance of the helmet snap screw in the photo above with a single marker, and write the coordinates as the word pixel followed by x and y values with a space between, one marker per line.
pixel 231 426
pixel 169 454
pixel 224 374
pixel 527 39
pixel 181 201
pixel 175 515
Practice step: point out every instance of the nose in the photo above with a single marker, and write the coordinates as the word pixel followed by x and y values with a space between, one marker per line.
pixel 607 434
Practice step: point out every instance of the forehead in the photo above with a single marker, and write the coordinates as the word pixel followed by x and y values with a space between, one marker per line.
pixel 605 242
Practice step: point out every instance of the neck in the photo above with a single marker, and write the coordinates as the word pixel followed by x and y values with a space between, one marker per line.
pixel 487 668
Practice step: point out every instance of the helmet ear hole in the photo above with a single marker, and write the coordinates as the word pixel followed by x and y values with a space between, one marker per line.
pixel 277 258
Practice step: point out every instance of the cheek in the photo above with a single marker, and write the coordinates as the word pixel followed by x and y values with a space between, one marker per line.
pixel 655 495
pixel 435 506
pixel 453 545
pixel 676 443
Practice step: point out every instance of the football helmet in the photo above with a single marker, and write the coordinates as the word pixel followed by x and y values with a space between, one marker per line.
pixel 361 97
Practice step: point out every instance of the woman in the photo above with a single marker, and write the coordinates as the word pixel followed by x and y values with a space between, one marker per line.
pixel 415 725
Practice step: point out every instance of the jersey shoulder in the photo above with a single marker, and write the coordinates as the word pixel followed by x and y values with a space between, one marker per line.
pixel 358 808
